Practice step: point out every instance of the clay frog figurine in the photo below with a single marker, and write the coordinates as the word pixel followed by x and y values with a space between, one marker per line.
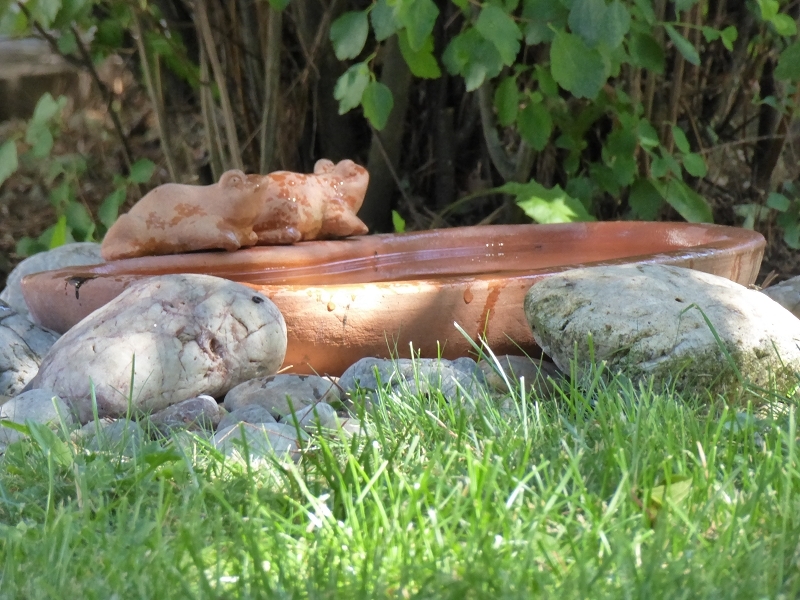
pixel 243 210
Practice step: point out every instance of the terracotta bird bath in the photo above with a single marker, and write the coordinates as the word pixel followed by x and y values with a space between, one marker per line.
pixel 373 295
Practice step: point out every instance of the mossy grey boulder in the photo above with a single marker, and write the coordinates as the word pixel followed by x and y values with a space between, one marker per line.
pixel 681 327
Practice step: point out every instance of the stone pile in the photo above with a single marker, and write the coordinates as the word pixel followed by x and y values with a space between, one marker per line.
pixel 203 354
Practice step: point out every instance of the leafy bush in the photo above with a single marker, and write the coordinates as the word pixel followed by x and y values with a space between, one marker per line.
pixel 583 108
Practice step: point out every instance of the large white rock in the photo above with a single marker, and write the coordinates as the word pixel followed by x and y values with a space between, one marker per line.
pixel 649 321
pixel 68 255
pixel 189 335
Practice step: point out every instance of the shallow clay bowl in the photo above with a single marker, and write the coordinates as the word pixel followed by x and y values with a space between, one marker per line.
pixel 374 295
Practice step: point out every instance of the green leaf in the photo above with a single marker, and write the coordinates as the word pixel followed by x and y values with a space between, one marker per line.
pixel 279 5
pixel 421 62
pixel 791 235
pixel 27 246
pixel 497 26
pixel 60 196
pixel 683 45
pixel 694 164
pixel 576 67
pixel 46 108
pixel 684 5
pixel 506 101
pixel 581 188
pixel 680 139
pixel 546 205
pixel 8 160
pixel 646 52
pixel 689 204
pixel 350 87
pixel 587 19
pixel 535 125
pixel 778 202
pixel 605 178
pixel 676 492
pixel 646 9
pixel 141 171
pixel 710 34
pixel 784 25
pixel 664 164
pixel 729 35
pixel 616 25
pixel 50 444
pixel 645 200
pixel 547 84
pixel 647 134
pixel 749 212
pixel 110 34
pixel 45 11
pixel 619 155
pixel 418 17
pixel 789 63
pixel 398 222
pixel 769 8
pixel 473 57
pixel 58 235
pixel 384 20
pixel 377 102
pixel 40 138
pixel 542 19
pixel 67 44
pixel 349 34
pixel 78 218
pixel 109 209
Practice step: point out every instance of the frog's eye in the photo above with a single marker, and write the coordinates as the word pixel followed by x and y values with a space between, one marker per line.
pixel 232 178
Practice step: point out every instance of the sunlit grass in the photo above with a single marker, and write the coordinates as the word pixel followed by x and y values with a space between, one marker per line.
pixel 611 491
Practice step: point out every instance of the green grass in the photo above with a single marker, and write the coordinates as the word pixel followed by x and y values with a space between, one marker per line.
pixel 609 492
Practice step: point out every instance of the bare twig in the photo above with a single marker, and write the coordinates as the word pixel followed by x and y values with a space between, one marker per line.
pixel 213 135
pixel 155 98
pixel 219 76
pixel 269 116
pixel 504 165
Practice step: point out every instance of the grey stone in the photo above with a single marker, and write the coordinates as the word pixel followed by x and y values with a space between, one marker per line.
pixel 787 294
pixel 114 435
pixel 279 394
pixel 194 414
pixel 39 406
pixel 23 345
pixel 68 255
pixel 263 440
pixel 187 334
pixel 539 375
pixel 313 416
pixel 351 427
pixel 254 413
pixel 646 321
pixel 417 376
